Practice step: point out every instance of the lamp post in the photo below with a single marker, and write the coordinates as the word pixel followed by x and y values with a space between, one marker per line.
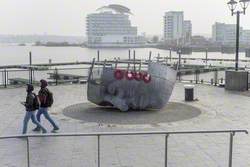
pixel 232 4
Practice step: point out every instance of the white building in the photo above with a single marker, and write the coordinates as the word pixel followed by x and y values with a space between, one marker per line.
pixel 173 26
pixel 111 27
pixel 225 33
pixel 176 29
pixel 187 31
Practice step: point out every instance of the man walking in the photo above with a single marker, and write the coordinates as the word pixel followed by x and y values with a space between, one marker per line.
pixel 46 101
pixel 31 105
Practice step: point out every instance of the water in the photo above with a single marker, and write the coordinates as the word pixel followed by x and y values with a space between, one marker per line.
pixel 10 55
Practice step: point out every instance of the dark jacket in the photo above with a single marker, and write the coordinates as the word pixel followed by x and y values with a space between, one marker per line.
pixel 29 102
pixel 42 95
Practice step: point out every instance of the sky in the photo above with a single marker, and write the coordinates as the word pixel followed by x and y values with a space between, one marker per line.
pixel 67 17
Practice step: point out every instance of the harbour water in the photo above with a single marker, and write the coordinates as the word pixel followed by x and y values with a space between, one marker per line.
pixel 10 55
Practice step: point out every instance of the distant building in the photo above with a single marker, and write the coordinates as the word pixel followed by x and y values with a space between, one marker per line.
pixel 177 30
pixel 225 34
pixel 187 31
pixel 111 27
pixel 198 40
pixel 173 26
pixel 246 37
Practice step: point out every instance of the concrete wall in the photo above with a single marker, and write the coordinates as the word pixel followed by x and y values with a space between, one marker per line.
pixel 236 80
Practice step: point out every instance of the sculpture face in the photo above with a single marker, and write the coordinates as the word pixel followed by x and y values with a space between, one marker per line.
pixel 133 90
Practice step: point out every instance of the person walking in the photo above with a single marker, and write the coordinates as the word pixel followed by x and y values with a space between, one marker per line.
pixel 46 101
pixel 31 105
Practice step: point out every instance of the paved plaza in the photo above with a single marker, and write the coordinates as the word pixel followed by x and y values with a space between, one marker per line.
pixel 214 109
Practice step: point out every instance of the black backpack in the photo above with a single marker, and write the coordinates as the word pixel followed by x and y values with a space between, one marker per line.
pixel 35 105
pixel 49 99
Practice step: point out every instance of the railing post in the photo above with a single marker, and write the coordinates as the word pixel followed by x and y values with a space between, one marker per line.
pixel 98 55
pixel 231 149
pixel 98 151
pixel 134 60
pixel 170 54
pixel 30 62
pixel 150 55
pixel 129 55
pixel 56 76
pixel 166 150
pixel 28 152
pixel 5 78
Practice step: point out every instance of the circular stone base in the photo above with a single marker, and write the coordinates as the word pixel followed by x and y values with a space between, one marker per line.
pixel 89 112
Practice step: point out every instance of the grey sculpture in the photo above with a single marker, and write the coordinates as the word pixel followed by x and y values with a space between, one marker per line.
pixel 151 89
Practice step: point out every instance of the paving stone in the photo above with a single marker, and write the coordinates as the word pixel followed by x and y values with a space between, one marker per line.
pixel 220 110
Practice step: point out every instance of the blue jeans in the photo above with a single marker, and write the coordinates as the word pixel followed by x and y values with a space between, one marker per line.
pixel 28 115
pixel 44 111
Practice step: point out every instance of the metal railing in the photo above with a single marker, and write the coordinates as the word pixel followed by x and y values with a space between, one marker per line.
pixel 98 135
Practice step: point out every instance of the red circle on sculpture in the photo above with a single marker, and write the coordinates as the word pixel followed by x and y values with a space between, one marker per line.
pixel 137 76
pixel 129 75
pixel 118 74
pixel 146 78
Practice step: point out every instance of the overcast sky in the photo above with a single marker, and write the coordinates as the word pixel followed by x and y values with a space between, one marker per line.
pixel 67 17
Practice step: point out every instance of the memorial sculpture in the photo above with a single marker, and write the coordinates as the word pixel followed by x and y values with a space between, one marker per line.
pixel 131 89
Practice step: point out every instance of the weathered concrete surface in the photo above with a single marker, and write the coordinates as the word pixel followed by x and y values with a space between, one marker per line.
pixel 220 110
pixel 236 80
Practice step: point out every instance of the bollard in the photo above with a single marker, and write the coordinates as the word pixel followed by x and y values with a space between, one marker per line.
pixel 129 54
pixel 212 81
pixel 189 92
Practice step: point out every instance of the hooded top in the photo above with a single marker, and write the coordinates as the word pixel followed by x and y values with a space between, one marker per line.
pixel 30 88
pixel 29 98
pixel 44 83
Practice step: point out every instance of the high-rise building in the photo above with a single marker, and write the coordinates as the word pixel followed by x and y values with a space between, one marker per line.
pixel 173 26
pixel 187 31
pixel 225 34
pixel 176 29
pixel 111 27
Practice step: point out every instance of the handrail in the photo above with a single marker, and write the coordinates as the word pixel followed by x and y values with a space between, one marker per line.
pixel 99 134
pixel 121 133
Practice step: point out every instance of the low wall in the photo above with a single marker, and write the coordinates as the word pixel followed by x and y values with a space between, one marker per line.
pixel 236 80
